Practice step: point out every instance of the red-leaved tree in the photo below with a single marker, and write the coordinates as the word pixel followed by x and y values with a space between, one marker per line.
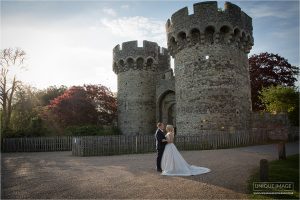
pixel 73 107
pixel 104 101
pixel 87 105
pixel 267 69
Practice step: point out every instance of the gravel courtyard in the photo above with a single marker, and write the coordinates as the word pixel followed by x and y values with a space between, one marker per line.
pixel 60 175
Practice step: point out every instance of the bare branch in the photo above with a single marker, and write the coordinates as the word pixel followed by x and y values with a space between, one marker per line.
pixel 9 57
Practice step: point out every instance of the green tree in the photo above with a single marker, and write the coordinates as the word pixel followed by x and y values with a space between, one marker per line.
pixel 282 99
pixel 47 95
pixel 26 120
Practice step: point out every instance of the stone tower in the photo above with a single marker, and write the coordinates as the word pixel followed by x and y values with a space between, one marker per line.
pixel 138 70
pixel 212 85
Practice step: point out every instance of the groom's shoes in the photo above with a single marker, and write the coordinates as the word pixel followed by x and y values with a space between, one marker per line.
pixel 159 170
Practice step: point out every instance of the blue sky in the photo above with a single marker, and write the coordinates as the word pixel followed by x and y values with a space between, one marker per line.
pixel 70 42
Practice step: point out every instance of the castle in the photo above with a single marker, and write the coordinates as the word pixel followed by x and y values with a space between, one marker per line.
pixel 211 86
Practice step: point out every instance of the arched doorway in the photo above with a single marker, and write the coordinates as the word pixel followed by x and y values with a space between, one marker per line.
pixel 172 114
pixel 167 108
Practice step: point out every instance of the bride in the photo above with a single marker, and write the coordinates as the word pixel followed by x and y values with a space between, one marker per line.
pixel 173 164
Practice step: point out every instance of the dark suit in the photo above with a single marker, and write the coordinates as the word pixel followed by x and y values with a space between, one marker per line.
pixel 160 147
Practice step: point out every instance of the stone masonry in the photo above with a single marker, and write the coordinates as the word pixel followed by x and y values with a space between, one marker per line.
pixel 139 70
pixel 210 49
pixel 211 86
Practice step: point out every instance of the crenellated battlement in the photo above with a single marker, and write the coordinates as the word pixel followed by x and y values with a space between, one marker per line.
pixel 209 25
pixel 209 9
pixel 148 46
pixel 148 57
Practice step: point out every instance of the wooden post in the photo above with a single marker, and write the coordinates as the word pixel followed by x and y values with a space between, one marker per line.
pixel 281 151
pixel 264 168
pixel 136 144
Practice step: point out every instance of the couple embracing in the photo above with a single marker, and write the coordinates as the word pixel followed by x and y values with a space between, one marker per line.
pixel 169 161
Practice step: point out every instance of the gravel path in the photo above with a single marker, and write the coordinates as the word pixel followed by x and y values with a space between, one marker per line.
pixel 59 175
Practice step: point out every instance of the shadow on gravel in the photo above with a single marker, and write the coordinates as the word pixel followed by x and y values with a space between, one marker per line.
pixel 61 175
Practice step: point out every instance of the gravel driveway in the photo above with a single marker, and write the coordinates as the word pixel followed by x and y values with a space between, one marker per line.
pixel 60 175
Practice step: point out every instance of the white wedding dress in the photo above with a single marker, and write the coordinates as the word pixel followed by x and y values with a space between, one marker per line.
pixel 173 164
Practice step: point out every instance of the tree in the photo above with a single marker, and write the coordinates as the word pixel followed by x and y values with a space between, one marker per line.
pixel 45 96
pixel 87 105
pixel 9 59
pixel 104 101
pixel 278 99
pixel 25 102
pixel 267 69
pixel 25 113
pixel 73 108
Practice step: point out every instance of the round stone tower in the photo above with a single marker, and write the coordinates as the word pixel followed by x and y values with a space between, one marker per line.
pixel 212 85
pixel 137 69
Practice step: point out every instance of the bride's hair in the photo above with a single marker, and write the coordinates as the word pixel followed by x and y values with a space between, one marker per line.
pixel 169 128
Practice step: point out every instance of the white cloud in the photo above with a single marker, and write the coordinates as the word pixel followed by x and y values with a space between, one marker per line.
pixel 267 11
pixel 109 11
pixel 125 6
pixel 286 34
pixel 137 28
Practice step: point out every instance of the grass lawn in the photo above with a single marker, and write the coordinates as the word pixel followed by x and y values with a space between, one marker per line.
pixel 279 171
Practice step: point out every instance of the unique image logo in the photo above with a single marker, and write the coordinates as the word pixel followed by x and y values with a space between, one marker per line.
pixel 273 187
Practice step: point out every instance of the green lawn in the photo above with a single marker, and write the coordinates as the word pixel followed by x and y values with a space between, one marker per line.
pixel 279 171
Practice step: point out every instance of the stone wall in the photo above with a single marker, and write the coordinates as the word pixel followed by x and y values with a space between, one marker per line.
pixel 263 119
pixel 276 126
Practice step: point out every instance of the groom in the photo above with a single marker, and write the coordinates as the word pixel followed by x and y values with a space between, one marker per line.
pixel 160 144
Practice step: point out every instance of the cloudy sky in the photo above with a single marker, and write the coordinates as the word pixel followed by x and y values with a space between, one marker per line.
pixel 70 42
